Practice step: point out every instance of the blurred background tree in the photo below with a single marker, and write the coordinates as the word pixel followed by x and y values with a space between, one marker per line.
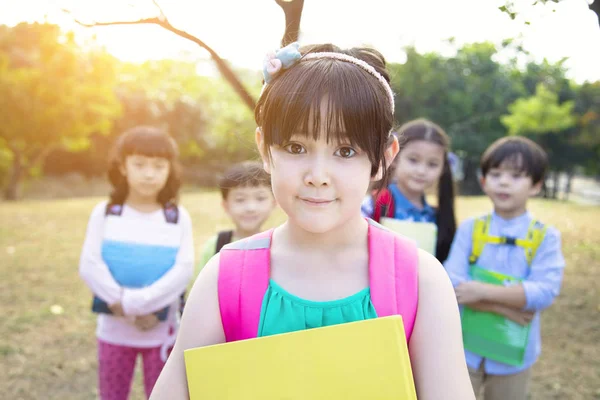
pixel 52 94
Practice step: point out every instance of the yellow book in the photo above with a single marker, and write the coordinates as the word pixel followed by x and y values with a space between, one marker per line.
pixel 424 233
pixel 359 360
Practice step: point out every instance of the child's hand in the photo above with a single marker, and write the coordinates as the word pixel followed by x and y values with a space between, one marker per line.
pixel 146 322
pixel 117 310
pixel 518 316
pixel 470 292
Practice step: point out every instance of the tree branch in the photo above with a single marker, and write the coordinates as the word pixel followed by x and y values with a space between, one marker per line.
pixel 164 23
pixel 595 7
pixel 160 10
pixel 293 14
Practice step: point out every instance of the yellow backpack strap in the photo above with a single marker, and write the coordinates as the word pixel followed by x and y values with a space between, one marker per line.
pixel 535 237
pixel 480 236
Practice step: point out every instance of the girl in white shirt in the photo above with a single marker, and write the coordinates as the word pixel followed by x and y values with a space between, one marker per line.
pixel 137 260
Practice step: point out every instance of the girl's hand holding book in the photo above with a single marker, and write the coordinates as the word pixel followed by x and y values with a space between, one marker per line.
pixel 117 309
pixel 146 322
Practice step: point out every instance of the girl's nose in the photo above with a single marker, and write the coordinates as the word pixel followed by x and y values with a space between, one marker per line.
pixel 317 173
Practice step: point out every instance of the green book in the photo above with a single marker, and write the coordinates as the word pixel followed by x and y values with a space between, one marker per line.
pixel 491 335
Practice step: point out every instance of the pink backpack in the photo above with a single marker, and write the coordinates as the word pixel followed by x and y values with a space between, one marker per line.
pixel 244 279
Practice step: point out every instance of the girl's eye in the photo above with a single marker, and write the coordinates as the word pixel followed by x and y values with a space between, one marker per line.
pixel 294 148
pixel 345 152
pixel 433 165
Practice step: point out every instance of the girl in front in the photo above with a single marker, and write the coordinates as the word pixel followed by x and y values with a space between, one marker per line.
pixel 138 258
pixel 421 163
pixel 324 120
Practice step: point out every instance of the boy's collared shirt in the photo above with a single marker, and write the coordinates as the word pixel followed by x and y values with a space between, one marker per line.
pixel 541 280
pixel 403 209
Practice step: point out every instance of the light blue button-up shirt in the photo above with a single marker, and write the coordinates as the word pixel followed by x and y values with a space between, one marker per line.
pixel 541 280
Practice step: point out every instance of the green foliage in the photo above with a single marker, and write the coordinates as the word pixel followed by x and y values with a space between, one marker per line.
pixel 465 94
pixel 587 105
pixel 539 114
pixel 203 113
pixel 52 92
pixel 6 159
pixel 231 123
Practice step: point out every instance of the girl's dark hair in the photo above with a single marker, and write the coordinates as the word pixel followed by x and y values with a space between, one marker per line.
pixel 150 142
pixel 525 155
pixel 422 129
pixel 357 107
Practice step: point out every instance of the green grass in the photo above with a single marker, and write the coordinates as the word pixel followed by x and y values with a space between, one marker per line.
pixel 48 356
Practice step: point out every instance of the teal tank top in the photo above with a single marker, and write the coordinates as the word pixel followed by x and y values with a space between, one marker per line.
pixel 283 312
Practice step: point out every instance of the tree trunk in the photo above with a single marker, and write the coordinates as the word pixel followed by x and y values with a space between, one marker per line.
pixel 555 178
pixel 293 14
pixel 469 186
pixel 544 189
pixel 570 176
pixel 595 7
pixel 12 187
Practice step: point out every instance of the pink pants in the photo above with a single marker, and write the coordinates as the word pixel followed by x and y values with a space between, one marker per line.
pixel 116 365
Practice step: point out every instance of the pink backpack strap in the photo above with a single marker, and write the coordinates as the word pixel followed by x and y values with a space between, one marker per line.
pixel 243 281
pixel 393 275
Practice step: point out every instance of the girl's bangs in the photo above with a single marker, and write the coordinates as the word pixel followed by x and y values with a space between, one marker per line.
pixel 326 96
pixel 149 143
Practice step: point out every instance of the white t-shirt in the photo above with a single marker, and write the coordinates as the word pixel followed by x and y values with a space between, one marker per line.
pixel 141 236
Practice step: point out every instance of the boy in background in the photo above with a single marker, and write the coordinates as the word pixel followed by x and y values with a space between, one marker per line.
pixel 247 199
pixel 508 243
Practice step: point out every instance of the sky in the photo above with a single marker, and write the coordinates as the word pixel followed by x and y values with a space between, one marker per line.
pixel 564 30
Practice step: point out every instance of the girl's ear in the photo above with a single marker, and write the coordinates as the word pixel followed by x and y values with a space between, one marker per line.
pixel 388 157
pixel 258 136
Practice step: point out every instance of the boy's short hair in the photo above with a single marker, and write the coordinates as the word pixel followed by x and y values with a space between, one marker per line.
pixel 526 155
pixel 244 174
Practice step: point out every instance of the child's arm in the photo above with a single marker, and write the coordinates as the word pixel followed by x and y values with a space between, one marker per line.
pixel 457 263
pixel 519 316
pixel 536 293
pixel 171 285
pixel 92 268
pixel 200 326
pixel 436 349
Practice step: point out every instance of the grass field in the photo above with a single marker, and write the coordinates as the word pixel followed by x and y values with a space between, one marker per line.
pixel 52 355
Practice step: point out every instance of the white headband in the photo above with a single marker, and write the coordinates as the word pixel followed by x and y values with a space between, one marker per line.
pixel 289 55
pixel 356 61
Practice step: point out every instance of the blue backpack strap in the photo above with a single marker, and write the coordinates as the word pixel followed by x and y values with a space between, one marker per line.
pixel 170 210
pixel 113 209
pixel 171 213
